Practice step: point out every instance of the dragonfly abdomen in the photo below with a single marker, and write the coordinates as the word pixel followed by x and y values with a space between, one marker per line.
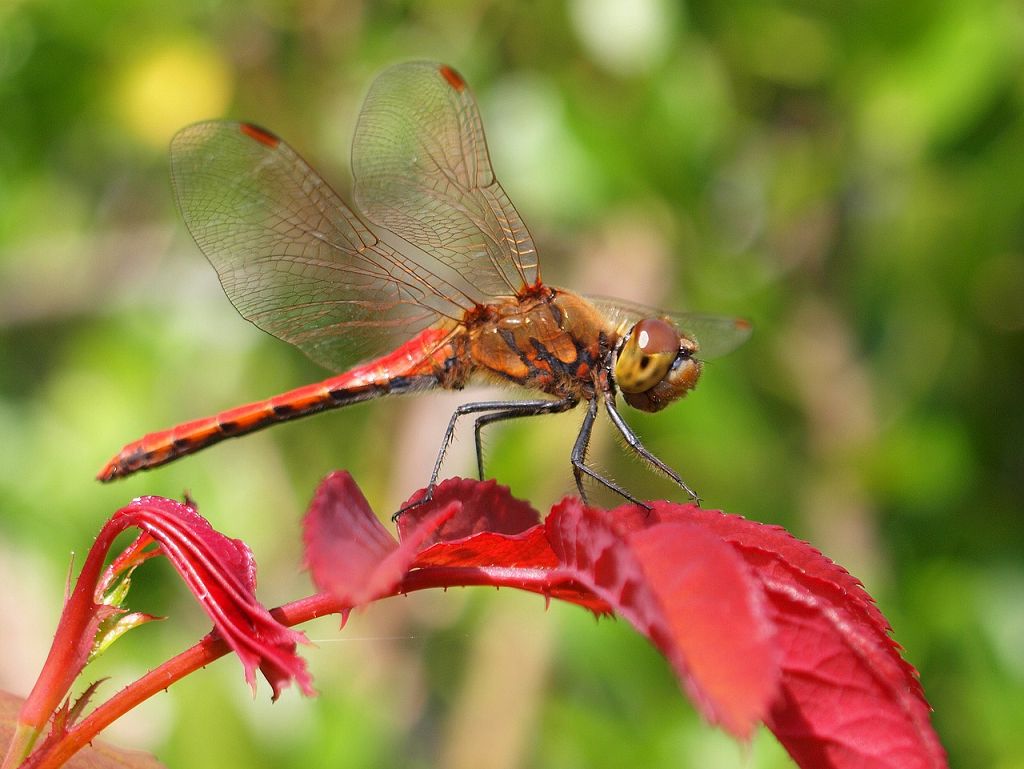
pixel 422 363
pixel 159 448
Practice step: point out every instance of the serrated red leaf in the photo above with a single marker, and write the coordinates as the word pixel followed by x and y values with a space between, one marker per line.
pixel 719 634
pixel 847 697
pixel 484 506
pixel 491 528
pixel 688 592
pixel 757 624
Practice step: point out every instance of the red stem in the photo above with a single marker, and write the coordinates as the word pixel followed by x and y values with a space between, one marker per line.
pixel 67 655
pixel 211 647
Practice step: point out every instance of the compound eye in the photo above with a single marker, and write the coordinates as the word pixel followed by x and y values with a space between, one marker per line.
pixel 647 355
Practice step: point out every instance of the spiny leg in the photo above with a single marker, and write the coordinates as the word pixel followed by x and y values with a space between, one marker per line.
pixel 515 410
pixel 639 448
pixel 579 460
pixel 531 407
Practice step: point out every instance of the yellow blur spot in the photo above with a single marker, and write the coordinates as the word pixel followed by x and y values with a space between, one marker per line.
pixel 172 85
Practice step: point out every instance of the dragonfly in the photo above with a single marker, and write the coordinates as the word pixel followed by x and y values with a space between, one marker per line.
pixel 436 283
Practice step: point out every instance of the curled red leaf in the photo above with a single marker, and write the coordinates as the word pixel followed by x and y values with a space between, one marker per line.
pixel 221 573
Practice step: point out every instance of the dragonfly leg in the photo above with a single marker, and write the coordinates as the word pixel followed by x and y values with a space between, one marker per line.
pixel 639 448
pixel 515 410
pixel 579 460
pixel 504 410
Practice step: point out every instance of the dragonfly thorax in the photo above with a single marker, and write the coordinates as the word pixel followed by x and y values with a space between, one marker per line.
pixel 654 365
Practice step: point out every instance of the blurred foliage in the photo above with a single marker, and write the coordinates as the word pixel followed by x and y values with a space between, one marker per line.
pixel 848 175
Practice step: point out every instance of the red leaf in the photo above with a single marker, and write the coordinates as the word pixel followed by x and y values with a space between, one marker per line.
pixel 529 550
pixel 485 506
pixel 687 591
pixel 847 697
pixel 221 573
pixel 756 624
pixel 491 528
pixel 510 558
pixel 349 553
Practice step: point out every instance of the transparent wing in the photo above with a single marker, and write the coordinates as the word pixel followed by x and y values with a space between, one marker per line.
pixel 422 171
pixel 715 335
pixel 291 256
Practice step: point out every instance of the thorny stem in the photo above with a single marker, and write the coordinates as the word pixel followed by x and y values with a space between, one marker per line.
pixel 212 647
pixel 67 655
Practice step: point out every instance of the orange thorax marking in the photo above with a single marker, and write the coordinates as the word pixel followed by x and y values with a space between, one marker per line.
pixel 549 342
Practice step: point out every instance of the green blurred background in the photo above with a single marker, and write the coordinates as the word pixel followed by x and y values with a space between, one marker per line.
pixel 849 175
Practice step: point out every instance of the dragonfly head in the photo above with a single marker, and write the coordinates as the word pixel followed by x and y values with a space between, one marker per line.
pixel 654 365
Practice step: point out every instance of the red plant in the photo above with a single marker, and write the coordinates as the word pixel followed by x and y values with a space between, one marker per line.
pixel 757 625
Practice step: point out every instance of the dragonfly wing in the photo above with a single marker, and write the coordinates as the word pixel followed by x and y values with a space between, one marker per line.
pixel 716 335
pixel 422 171
pixel 291 256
